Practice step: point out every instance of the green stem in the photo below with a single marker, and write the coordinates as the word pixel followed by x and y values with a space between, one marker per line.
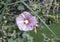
pixel 39 18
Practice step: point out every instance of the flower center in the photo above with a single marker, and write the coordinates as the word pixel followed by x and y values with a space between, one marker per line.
pixel 26 21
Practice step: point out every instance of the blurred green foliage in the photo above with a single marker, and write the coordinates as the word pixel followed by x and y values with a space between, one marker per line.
pixel 9 32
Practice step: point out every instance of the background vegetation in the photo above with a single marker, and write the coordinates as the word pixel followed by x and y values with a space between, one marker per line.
pixel 9 32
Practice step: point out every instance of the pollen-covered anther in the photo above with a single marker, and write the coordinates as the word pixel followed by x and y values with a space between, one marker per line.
pixel 26 21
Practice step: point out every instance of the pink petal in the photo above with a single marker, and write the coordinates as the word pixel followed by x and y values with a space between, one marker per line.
pixel 33 21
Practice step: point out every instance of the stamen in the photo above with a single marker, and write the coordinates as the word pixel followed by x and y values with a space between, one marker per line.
pixel 26 21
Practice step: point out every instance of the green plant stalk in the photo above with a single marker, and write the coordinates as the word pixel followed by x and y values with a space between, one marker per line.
pixel 39 18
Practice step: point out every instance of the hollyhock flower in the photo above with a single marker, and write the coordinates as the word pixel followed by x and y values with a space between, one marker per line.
pixel 25 21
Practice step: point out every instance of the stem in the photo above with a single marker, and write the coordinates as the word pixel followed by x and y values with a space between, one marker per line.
pixel 39 18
